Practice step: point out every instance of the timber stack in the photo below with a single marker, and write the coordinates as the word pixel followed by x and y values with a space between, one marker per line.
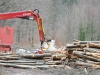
pixel 78 53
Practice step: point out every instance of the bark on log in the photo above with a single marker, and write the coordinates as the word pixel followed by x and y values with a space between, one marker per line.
pixel 85 42
pixel 36 55
pixel 3 54
pixel 24 66
pixel 58 56
pixel 57 66
pixel 93 45
pixel 73 46
pixel 76 46
pixel 13 55
pixel 53 62
pixel 18 66
pixel 41 63
pixel 76 53
pixel 92 50
pixel 89 53
pixel 17 61
pixel 92 62
pixel 96 55
pixel 8 58
pixel 60 66
pixel 41 55
pixel 87 64
pixel 31 67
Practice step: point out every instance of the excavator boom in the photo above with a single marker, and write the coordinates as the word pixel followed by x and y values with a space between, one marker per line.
pixel 34 15
pixel 10 15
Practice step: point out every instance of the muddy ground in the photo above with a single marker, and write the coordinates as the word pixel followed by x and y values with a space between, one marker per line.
pixel 50 71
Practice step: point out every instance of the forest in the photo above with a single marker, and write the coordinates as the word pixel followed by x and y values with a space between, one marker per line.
pixel 64 20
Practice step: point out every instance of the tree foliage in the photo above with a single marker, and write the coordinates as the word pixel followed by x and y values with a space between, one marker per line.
pixel 87 32
pixel 90 31
pixel 4 2
pixel 82 33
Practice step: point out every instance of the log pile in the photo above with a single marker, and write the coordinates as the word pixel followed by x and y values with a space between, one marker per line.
pixel 79 53
pixel 27 61
pixel 88 55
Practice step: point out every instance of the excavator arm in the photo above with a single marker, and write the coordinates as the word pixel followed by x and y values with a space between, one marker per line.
pixel 34 15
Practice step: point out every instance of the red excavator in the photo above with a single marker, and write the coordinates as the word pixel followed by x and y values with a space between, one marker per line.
pixel 29 15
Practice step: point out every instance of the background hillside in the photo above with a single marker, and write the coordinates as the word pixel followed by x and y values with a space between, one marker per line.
pixel 64 20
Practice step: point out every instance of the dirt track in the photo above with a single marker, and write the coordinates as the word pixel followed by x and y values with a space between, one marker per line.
pixel 51 71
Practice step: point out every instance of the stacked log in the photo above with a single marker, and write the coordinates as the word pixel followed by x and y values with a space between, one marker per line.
pixel 89 55
pixel 36 55
pixel 80 53
pixel 32 60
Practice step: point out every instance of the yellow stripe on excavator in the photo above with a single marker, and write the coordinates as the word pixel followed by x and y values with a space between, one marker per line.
pixel 43 27
pixel 47 47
